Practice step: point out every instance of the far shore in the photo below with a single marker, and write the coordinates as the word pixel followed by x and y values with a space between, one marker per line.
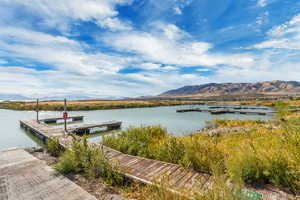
pixel 82 105
pixel 85 105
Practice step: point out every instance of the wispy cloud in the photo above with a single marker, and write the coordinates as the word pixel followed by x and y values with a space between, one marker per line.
pixel 60 52
pixel 62 13
pixel 284 36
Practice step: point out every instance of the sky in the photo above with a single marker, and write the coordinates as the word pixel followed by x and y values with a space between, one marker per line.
pixel 129 48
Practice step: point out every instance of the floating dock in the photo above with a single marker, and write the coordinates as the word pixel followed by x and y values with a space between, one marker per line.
pixel 225 111
pixel 146 170
pixel 87 128
pixel 24 177
pixel 55 120
pixel 43 130
pixel 238 107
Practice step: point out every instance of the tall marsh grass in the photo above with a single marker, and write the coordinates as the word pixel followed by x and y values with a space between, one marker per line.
pixel 90 161
pixel 261 155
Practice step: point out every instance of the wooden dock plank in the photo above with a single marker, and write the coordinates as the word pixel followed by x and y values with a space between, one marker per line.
pixel 23 176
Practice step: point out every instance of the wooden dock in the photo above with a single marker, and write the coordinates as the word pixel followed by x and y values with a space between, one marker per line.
pixel 56 119
pixel 44 131
pixel 146 170
pixel 225 111
pixel 238 107
pixel 87 128
pixel 24 177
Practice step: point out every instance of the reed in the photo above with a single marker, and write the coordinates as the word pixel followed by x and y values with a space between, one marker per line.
pixel 265 152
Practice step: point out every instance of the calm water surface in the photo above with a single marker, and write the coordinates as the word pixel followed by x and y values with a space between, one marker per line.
pixel 11 135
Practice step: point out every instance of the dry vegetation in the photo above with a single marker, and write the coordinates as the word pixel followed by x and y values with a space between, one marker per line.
pixel 267 153
pixel 92 104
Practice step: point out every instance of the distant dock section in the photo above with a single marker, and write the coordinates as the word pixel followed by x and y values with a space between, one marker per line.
pixel 217 110
pixel 238 107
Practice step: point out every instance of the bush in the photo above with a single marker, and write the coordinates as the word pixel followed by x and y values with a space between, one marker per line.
pixel 204 154
pixel 53 147
pixel 89 160
pixel 138 141
pixel 260 155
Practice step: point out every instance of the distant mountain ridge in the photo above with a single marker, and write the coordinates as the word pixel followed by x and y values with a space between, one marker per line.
pixel 16 97
pixel 237 89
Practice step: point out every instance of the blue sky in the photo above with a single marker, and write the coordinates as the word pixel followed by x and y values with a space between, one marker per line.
pixel 144 47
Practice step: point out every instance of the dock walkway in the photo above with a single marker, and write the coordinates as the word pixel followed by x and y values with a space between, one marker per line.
pixel 146 170
pixel 24 177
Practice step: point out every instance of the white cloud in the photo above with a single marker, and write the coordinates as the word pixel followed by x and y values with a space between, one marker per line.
pixel 114 24
pixel 59 13
pixel 172 32
pixel 203 70
pixel 177 10
pixel 149 66
pixel 284 36
pixel 169 51
pixel 57 51
pixel 262 3
pixel 169 68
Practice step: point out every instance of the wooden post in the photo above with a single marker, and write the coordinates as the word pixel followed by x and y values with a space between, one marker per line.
pixel 65 119
pixel 37 110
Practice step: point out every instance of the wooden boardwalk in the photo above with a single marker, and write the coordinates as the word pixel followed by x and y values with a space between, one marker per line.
pixel 146 170
pixel 24 177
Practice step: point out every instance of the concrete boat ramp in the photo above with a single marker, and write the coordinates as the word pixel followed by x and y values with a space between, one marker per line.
pixel 24 177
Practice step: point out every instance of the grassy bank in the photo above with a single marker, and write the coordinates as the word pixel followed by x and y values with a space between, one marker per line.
pixel 90 162
pixel 93 104
pixel 262 153
pixel 117 104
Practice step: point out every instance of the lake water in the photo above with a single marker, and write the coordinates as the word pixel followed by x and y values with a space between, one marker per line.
pixel 11 135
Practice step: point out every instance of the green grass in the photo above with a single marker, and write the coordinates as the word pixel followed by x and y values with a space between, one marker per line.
pixel 53 147
pixel 89 161
pixel 262 153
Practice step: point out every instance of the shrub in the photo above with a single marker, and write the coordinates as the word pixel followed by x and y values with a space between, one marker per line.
pixel 89 160
pixel 259 155
pixel 137 141
pixel 204 155
pixel 53 147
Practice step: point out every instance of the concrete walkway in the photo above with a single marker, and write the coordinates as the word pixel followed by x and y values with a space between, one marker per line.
pixel 24 177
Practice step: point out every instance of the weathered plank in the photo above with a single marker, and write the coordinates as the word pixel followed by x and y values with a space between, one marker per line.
pixel 23 176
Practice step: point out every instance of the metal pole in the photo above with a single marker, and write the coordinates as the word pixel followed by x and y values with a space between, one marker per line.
pixel 37 110
pixel 65 119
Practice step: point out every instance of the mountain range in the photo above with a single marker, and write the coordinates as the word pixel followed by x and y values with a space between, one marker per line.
pixel 16 97
pixel 269 88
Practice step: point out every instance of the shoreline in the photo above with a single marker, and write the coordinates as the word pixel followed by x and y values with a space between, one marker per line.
pixel 86 105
